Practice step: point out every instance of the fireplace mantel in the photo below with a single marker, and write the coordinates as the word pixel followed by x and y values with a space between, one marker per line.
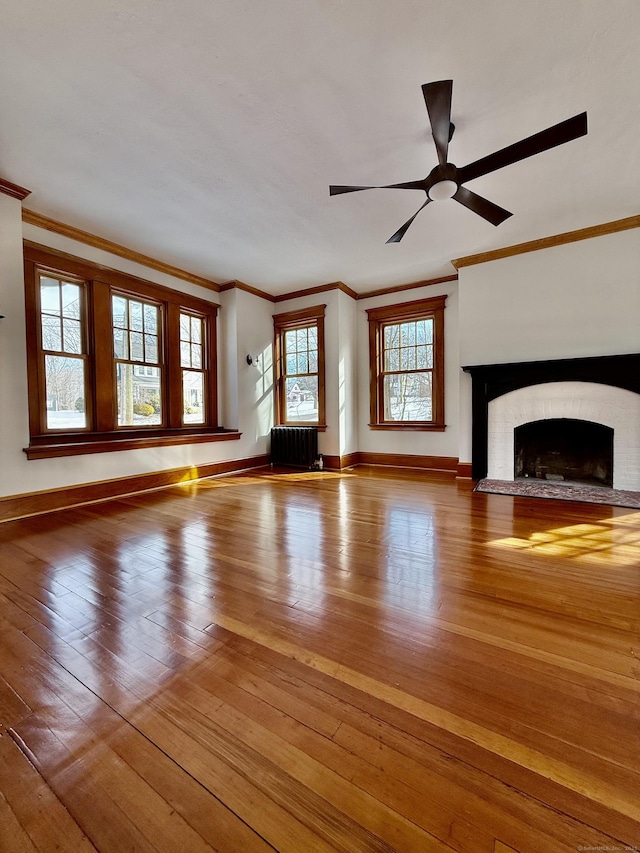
pixel 493 380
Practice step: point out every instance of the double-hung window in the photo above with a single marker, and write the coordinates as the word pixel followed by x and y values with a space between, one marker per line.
pixel 299 347
pixel 113 361
pixel 406 351
pixel 64 352
pixel 194 374
pixel 138 364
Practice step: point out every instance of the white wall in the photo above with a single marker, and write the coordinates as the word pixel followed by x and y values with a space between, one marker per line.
pixel 569 301
pixel 420 442
pixel 577 300
pixel 254 383
pixel 14 411
pixel 347 373
pixel 228 413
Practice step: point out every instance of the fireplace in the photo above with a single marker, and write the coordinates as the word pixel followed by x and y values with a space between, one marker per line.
pixel 603 390
pixel 564 450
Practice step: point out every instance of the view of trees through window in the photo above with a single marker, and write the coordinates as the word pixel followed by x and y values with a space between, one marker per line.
pixel 406 356
pixel 192 364
pixel 407 370
pixel 63 343
pixel 136 340
pixel 301 374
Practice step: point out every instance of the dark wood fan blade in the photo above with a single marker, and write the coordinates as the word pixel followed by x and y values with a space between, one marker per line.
pixel 408 185
pixel 437 97
pixel 404 228
pixel 484 208
pixel 338 190
pixel 567 130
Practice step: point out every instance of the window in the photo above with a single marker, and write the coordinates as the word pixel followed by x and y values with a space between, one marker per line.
pixel 136 338
pixel 64 350
pixel 299 344
pixel 114 361
pixel 193 373
pixel 406 350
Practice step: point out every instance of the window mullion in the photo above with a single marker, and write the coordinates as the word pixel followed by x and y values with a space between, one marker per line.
pixel 172 365
pixel 100 346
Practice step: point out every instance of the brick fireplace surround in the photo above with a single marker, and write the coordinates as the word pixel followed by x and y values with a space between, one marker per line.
pixel 602 389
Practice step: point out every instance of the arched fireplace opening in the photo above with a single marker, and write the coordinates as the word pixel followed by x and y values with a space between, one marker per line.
pixel 564 449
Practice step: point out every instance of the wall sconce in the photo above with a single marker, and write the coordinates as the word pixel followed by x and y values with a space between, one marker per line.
pixel 252 360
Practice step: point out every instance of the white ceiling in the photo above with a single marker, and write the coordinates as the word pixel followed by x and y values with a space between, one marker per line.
pixel 205 133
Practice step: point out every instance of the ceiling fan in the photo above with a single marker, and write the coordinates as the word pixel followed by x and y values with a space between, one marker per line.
pixel 446 180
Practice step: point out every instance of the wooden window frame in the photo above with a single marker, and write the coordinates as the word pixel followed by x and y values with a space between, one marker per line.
pixel 85 354
pixel 103 433
pixel 378 318
pixel 285 322
pixel 204 368
pixel 162 323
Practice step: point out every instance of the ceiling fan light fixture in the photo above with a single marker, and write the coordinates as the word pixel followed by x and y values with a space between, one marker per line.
pixel 443 190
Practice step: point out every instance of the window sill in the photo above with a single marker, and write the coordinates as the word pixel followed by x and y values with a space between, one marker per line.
pixel 319 427
pixel 48 448
pixel 415 427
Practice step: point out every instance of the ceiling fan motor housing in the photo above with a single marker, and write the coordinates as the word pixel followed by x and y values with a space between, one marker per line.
pixel 442 182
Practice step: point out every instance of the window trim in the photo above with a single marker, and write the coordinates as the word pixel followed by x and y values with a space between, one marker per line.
pixel 100 283
pixel 431 308
pixel 41 414
pixel 161 364
pixel 204 369
pixel 285 322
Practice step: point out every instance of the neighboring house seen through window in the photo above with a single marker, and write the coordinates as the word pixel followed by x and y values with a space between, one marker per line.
pixel 136 339
pixel 406 348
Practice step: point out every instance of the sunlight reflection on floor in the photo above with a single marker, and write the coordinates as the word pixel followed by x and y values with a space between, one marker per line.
pixel 605 542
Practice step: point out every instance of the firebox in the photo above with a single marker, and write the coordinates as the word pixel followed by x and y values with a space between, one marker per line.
pixel 564 449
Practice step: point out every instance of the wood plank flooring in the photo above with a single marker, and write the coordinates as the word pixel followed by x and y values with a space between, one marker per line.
pixel 371 660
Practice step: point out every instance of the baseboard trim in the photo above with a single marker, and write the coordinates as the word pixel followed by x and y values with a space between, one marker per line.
pixel 393 460
pixel 406 460
pixel 464 471
pixel 14 507
pixel 331 463
pixel 349 460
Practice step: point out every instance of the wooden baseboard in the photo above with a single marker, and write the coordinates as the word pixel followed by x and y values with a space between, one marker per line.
pixel 464 470
pixel 331 463
pixel 349 460
pixel 36 503
pixel 397 460
pixel 406 460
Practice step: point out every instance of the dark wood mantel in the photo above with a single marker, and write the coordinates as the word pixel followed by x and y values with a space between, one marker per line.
pixel 493 380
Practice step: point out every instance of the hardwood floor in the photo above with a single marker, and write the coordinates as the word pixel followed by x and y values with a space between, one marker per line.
pixel 372 660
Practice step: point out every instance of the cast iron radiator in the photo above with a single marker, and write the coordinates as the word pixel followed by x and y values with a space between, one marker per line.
pixel 297 446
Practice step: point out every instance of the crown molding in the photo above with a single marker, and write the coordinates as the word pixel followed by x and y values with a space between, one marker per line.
pixel 13 190
pixel 240 285
pixel 549 242
pixel 369 294
pixel 320 288
pixel 30 217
